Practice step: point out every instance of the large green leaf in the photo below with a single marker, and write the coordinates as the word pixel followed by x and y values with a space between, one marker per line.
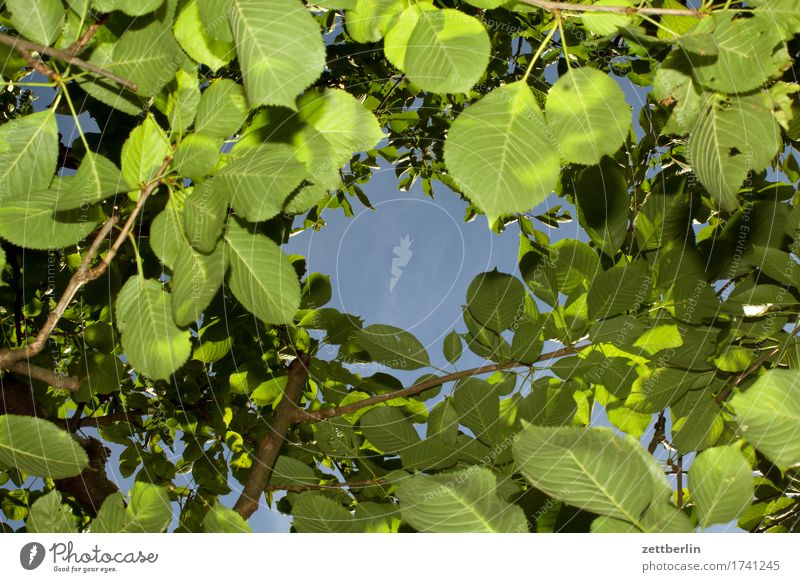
pixel 619 289
pixel 222 109
pixel 39 21
pixel 462 501
pixel 280 49
pixel 442 51
pixel 478 407
pixel 97 178
pixel 768 413
pixel 198 43
pixel 261 276
pixel 738 43
pixel 220 519
pixel 149 510
pixel 152 68
pixel 49 515
pixel 204 213
pixel 315 513
pixel 587 112
pixel 501 153
pixel 393 347
pixel 496 300
pixel 592 469
pixel 144 152
pixel 603 203
pixel 721 483
pixel 731 140
pixel 259 181
pixel 28 154
pixel 39 448
pixel 388 429
pixel 151 341
pixel 368 20
pixel 196 278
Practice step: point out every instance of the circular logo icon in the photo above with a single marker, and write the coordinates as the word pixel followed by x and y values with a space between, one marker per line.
pixel 31 555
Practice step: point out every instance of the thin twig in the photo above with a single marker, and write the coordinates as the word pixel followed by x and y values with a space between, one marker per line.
pixel 318 486
pixel 569 7
pixel 269 447
pixel 79 45
pixel 23 46
pixel 728 388
pixel 318 415
pixel 389 93
pixel 679 480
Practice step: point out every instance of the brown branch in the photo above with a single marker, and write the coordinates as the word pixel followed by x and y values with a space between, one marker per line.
pixel 23 46
pixel 679 481
pixel 38 66
pixel 319 486
pixel 322 414
pixel 54 379
pixel 9 357
pixel 569 7
pixel 269 447
pixel 79 45
pixel 728 388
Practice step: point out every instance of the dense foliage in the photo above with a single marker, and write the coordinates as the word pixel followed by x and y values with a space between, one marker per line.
pixel 146 304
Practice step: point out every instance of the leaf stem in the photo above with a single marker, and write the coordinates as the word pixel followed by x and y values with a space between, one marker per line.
pixel 541 48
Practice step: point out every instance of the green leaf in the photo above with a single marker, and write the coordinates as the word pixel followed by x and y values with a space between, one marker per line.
pixel 259 181
pixel 29 220
pixel 315 513
pixel 768 413
pixel 428 455
pixel 737 44
pixel 316 291
pixel 214 16
pixel 393 347
pixel 496 300
pixel 501 153
pixel 280 49
pixel 603 203
pixel 369 20
pixel 112 515
pixel 151 341
pixel 149 510
pixel 97 178
pixel 618 290
pixel 28 154
pixel 129 7
pixel 388 429
pixel 222 109
pixel 105 90
pixel 443 422
pixel 478 407
pixel 204 213
pixel 49 515
pixel 721 483
pixel 38 447
pixel 144 152
pixel 181 101
pixel 731 140
pixel 441 51
pixel 39 21
pixel 462 501
pixel 674 84
pixel 197 156
pixel 452 347
pixel 220 519
pixel 592 469
pixel 587 112
pixel 604 23
pixel 196 278
pixel 165 230
pixel 527 343
pixel 150 69
pixel 342 120
pixel 261 276
pixel 199 44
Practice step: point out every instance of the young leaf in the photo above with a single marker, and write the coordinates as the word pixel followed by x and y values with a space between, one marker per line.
pixel 721 483
pixel 280 49
pixel 261 276
pixel 462 501
pixel 144 152
pixel 452 347
pixel 501 152
pixel 768 413
pixel 587 112
pixel 151 341
pixel 40 448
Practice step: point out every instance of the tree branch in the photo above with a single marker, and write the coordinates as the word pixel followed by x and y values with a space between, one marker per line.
pixel 649 10
pixel 24 47
pixel 322 414
pixel 318 486
pixel 9 357
pixel 54 379
pixel 269 447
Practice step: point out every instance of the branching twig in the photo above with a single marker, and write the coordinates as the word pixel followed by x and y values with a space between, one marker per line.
pixel 269 447
pixel 569 7
pixel 318 415
pixel 24 47
pixel 79 45
pixel 318 486
pixel 10 357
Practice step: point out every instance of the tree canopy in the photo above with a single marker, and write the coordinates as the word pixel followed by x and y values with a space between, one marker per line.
pixel 148 310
